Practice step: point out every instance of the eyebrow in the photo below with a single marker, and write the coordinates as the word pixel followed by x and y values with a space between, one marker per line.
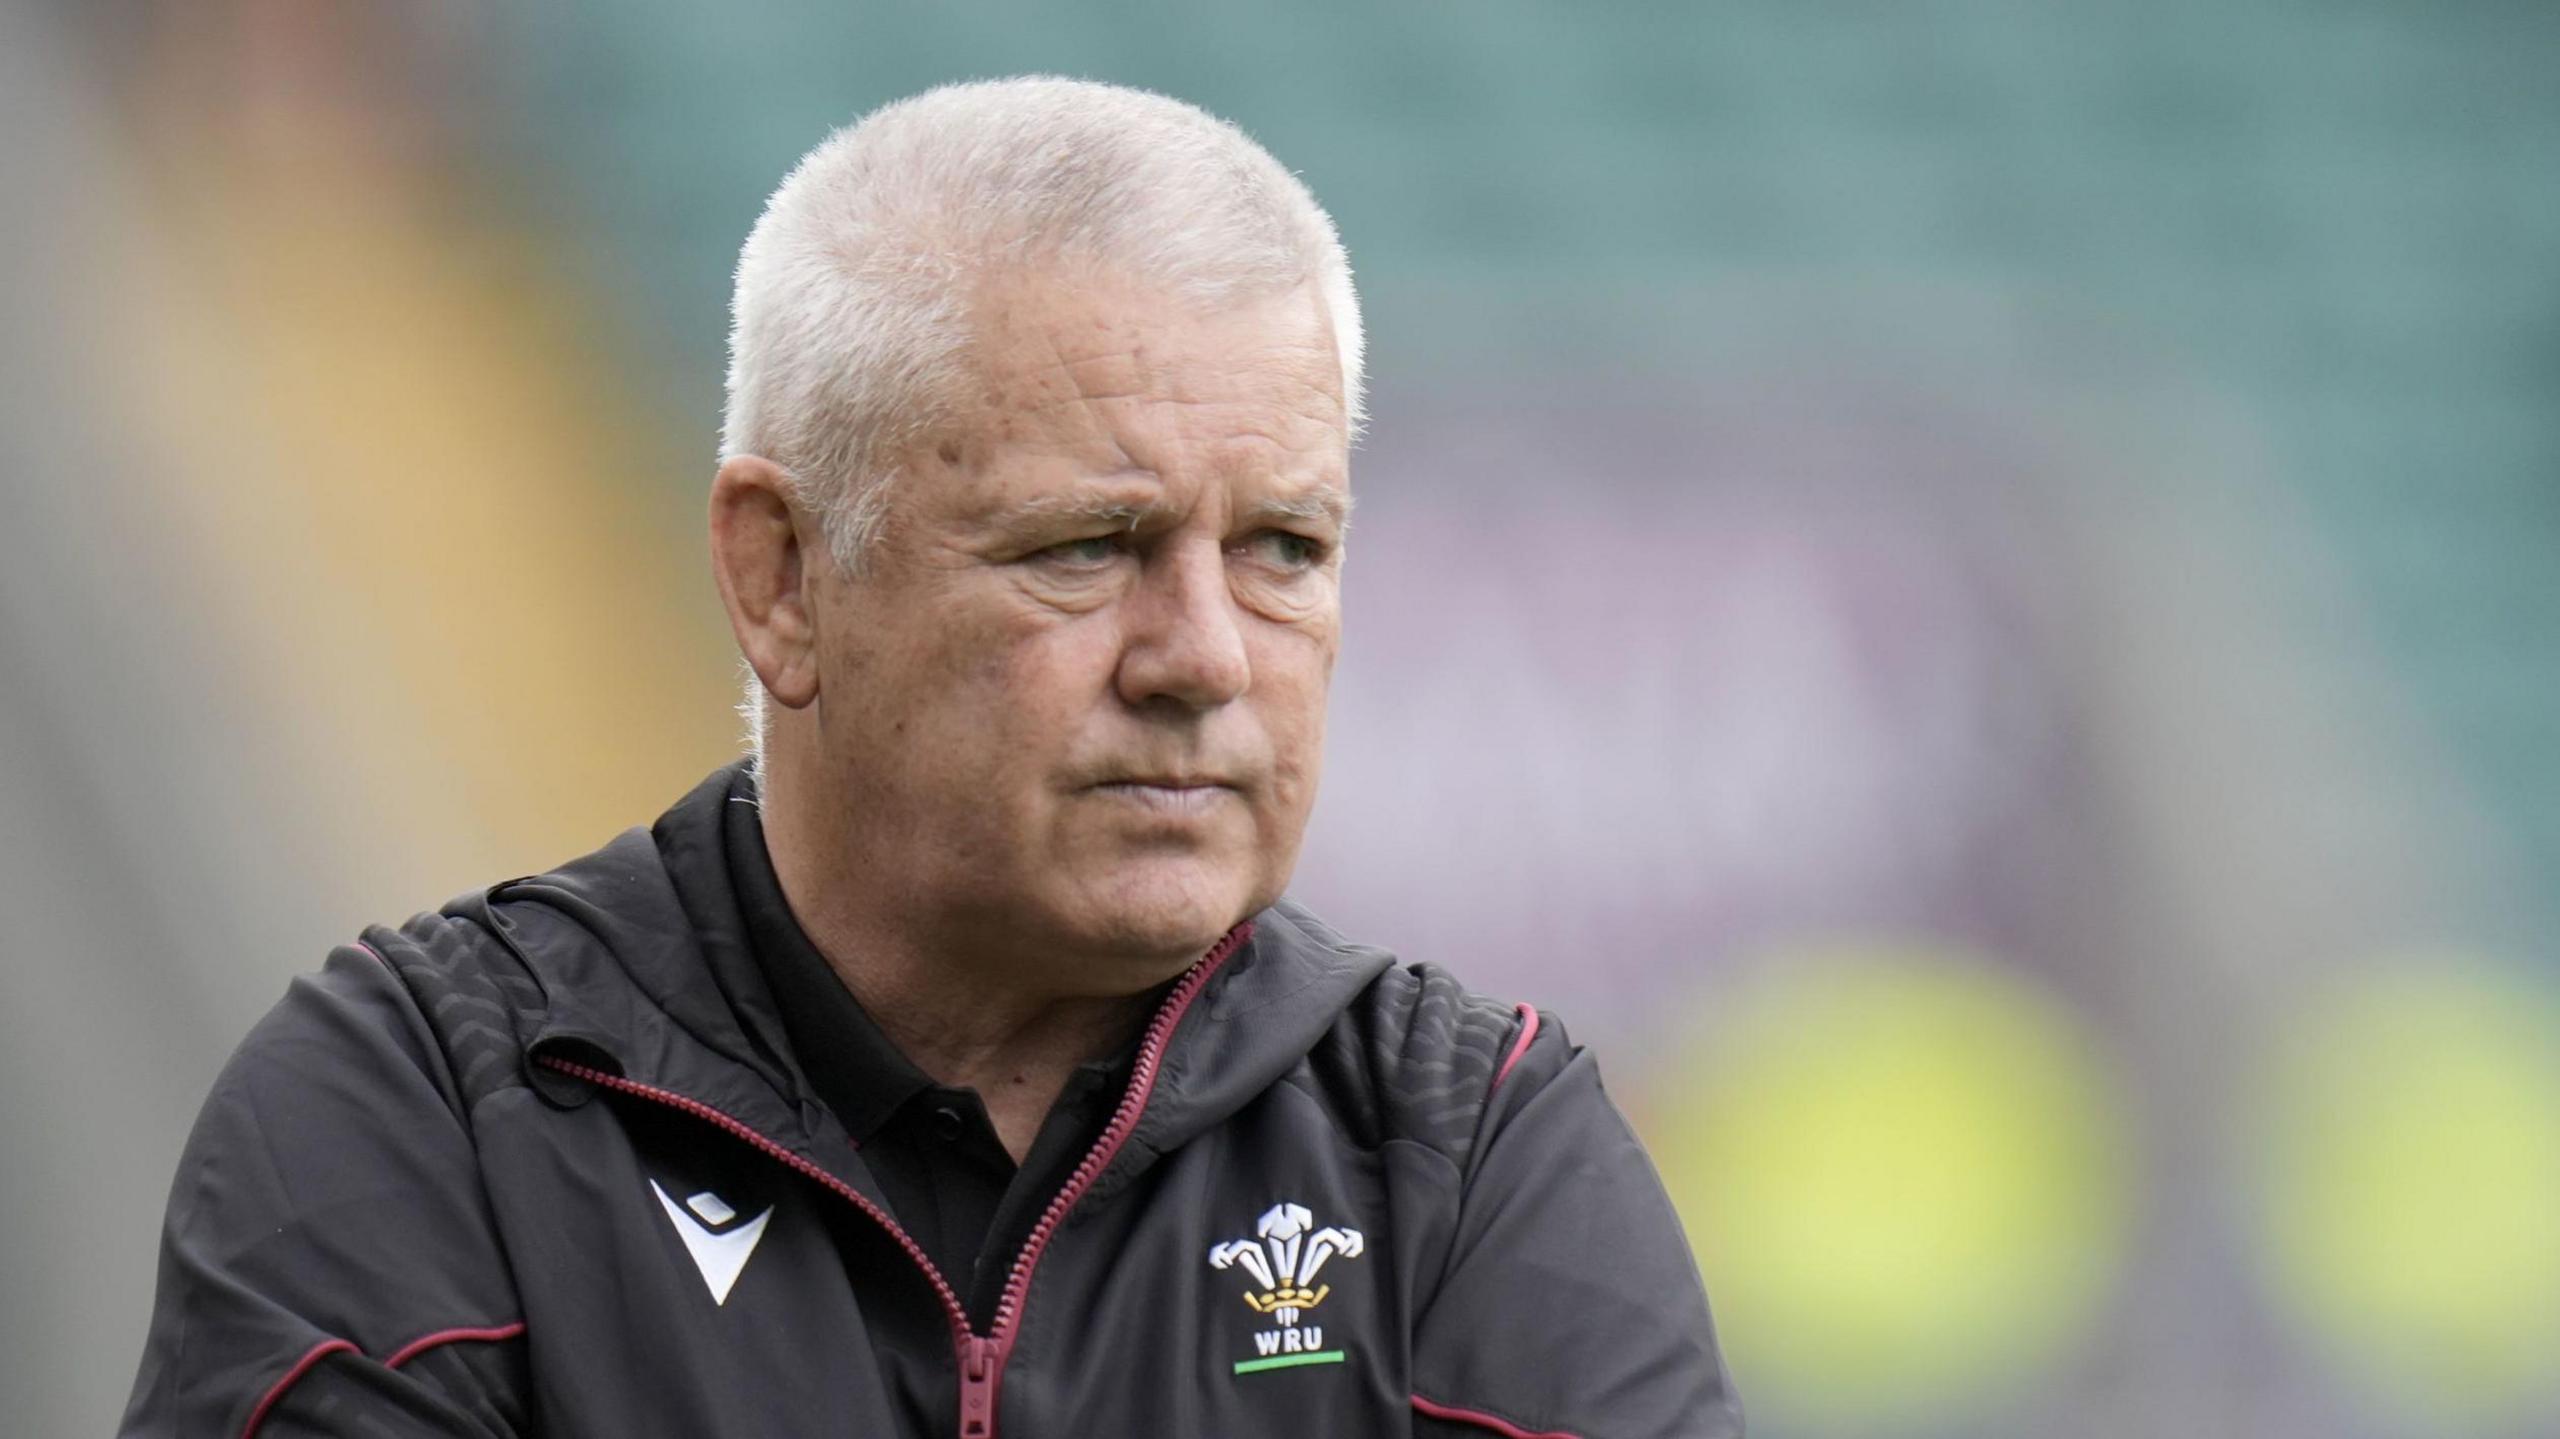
pixel 1117 512
pixel 1127 514
pixel 1333 505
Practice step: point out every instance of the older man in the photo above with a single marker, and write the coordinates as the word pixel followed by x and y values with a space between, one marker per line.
pixel 957 1068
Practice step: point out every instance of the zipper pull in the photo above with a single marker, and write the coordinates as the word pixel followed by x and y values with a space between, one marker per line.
pixel 978 1371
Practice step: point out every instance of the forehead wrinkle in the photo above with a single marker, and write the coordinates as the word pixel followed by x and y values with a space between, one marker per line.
pixel 1086 377
pixel 1082 397
pixel 1130 368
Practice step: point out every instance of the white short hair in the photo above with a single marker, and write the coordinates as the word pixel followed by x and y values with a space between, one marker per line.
pixel 848 328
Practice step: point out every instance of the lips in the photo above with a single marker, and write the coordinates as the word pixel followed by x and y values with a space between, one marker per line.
pixel 1175 773
pixel 1166 796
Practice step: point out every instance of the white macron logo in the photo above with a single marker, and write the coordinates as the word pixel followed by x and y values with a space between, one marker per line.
pixel 720 1256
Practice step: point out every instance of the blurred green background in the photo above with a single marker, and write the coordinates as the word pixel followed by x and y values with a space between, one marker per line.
pixel 1966 589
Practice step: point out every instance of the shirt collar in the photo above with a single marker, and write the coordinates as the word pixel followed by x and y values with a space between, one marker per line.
pixel 852 1066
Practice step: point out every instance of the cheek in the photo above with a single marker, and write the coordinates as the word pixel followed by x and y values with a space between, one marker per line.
pixel 1036 682
pixel 1293 676
pixel 1301 655
pixel 943 685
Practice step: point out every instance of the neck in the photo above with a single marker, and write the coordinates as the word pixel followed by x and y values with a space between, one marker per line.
pixel 972 1011
pixel 1016 1050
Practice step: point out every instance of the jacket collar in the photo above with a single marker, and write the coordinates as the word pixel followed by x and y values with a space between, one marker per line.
pixel 1260 1015
pixel 664 998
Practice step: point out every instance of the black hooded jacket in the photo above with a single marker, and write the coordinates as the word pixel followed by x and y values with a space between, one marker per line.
pixel 543 1163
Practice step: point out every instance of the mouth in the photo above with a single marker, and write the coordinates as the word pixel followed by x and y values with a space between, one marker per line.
pixel 1167 795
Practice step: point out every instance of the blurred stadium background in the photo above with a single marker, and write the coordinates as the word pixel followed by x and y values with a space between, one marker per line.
pixel 1967 587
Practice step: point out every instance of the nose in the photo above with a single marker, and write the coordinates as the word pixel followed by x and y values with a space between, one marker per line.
pixel 1182 637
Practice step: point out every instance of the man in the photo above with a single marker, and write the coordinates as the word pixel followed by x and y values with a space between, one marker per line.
pixel 957 1067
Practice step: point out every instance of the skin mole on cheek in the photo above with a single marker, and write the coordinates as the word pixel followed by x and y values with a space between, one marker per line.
pixel 949 452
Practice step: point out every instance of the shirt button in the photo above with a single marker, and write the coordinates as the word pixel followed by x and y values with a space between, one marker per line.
pixel 946 1123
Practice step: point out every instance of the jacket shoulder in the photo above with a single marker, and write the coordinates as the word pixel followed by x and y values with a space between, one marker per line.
pixel 473 990
pixel 1418 1057
pixel 328 1203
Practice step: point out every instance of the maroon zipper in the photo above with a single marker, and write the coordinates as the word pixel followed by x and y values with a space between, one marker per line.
pixel 981 1357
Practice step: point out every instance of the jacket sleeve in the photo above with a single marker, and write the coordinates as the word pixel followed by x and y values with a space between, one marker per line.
pixel 1571 1307
pixel 329 1265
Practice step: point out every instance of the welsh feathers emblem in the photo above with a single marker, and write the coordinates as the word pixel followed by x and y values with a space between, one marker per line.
pixel 1284 1257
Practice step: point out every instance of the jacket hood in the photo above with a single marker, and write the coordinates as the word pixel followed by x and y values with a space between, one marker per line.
pixel 633 983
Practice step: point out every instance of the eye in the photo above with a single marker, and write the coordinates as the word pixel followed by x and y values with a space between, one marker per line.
pixel 1289 550
pixel 1090 553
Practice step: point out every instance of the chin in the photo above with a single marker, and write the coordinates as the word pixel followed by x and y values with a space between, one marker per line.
pixel 1169 912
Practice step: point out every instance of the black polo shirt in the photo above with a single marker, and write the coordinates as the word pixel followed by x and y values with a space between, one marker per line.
pixel 947 1177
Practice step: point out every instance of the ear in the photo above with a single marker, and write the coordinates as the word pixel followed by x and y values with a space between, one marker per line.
pixel 765 572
